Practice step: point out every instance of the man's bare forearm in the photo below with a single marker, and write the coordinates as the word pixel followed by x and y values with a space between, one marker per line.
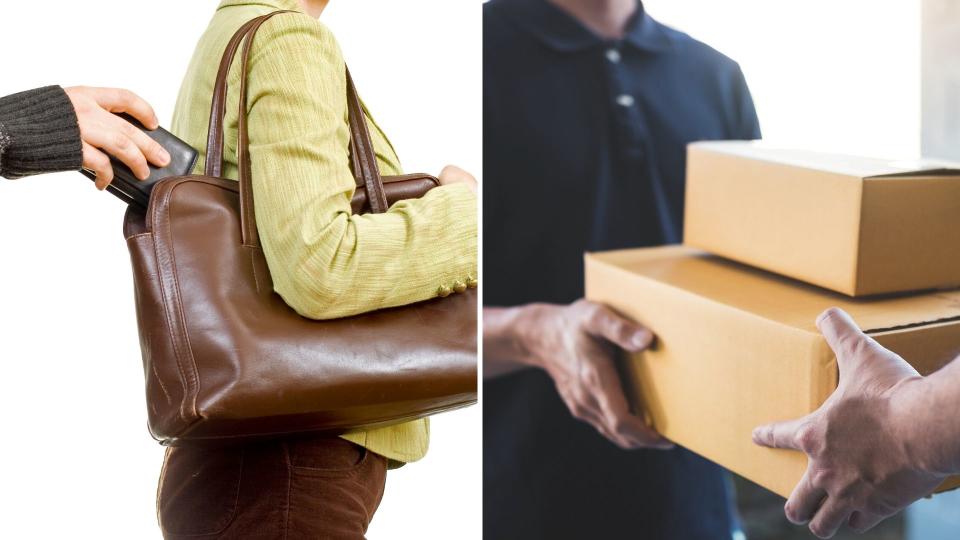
pixel 504 351
pixel 932 420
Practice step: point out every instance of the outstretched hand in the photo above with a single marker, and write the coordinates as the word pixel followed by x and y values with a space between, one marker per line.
pixel 861 466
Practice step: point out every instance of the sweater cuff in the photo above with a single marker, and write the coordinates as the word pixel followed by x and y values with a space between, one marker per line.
pixel 41 132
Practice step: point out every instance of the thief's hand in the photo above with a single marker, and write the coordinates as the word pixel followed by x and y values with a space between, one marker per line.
pixel 866 460
pixel 576 345
pixel 102 132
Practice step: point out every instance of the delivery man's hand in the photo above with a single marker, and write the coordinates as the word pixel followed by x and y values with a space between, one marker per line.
pixel 865 452
pixel 576 345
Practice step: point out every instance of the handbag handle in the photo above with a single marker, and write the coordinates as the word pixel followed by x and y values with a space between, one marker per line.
pixel 363 158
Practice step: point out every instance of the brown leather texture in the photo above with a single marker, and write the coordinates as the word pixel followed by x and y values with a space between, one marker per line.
pixel 226 359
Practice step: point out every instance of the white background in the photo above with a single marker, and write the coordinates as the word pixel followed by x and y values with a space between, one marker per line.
pixel 76 460
pixel 841 76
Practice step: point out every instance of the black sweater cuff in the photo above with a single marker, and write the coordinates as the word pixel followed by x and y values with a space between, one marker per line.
pixel 38 133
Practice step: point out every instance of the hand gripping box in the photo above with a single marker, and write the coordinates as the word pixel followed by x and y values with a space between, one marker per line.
pixel 858 226
pixel 738 347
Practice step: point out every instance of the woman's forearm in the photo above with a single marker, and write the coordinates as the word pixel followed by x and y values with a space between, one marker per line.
pixel 420 249
pixel 325 261
pixel 38 133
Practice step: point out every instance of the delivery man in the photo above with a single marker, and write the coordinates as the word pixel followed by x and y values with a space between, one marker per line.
pixel 885 438
pixel 588 108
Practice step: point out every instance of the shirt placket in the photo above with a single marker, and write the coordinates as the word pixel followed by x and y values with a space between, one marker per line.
pixel 637 161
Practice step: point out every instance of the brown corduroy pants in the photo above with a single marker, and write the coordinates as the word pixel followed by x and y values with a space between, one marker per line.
pixel 291 489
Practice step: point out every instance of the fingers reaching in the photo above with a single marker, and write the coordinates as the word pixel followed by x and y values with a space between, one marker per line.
pixel 99 163
pixel 830 517
pixel 108 137
pixel 862 522
pixel 150 149
pixel 119 100
pixel 628 335
pixel 804 501
pixel 842 335
pixel 582 410
pixel 617 415
pixel 780 434
pixel 103 132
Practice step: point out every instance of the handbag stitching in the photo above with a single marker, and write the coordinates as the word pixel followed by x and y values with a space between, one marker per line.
pixel 285 524
pixel 179 305
pixel 385 421
pixel 163 387
pixel 187 379
pixel 253 266
pixel 194 377
pixel 166 316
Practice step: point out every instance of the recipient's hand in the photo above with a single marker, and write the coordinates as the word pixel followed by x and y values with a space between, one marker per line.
pixel 576 345
pixel 101 130
pixel 451 174
pixel 862 465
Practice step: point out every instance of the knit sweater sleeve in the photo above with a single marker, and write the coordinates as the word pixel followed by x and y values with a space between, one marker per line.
pixel 38 133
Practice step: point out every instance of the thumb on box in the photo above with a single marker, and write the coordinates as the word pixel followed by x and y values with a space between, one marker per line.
pixel 844 337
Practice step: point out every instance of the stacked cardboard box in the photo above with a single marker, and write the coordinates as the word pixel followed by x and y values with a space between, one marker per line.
pixel 736 344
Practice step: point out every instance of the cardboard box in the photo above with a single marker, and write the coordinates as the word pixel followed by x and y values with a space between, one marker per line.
pixel 738 347
pixel 859 226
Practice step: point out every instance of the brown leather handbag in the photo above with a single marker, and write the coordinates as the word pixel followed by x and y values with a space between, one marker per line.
pixel 225 358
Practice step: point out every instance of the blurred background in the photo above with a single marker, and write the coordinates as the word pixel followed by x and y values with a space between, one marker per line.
pixel 870 77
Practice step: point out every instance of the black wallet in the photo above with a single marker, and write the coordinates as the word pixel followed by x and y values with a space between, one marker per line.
pixel 132 190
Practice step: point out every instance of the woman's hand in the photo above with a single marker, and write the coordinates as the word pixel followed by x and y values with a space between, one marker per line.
pixel 101 130
pixel 451 174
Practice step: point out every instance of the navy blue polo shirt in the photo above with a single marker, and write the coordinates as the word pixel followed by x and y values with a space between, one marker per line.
pixel 584 150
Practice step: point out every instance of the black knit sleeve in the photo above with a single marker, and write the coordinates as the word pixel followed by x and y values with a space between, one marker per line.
pixel 38 133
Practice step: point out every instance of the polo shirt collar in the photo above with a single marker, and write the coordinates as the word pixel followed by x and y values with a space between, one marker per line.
pixel 560 31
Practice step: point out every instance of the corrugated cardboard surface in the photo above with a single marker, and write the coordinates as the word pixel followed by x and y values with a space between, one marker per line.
pixel 859 226
pixel 738 347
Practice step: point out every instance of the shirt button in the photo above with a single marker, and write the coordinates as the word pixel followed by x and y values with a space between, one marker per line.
pixel 613 56
pixel 625 100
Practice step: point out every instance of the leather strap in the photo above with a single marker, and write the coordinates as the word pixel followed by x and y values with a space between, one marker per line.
pixel 218 106
pixel 362 154
pixel 248 217
pixel 363 157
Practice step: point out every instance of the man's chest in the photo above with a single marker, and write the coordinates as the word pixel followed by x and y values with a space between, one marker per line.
pixel 567 122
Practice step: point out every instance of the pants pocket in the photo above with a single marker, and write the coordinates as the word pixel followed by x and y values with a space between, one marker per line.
pixel 329 457
pixel 199 490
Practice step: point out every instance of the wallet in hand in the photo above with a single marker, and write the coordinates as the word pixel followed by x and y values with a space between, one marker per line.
pixel 132 190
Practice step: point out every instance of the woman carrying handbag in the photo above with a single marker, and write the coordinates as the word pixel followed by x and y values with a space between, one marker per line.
pixel 340 247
